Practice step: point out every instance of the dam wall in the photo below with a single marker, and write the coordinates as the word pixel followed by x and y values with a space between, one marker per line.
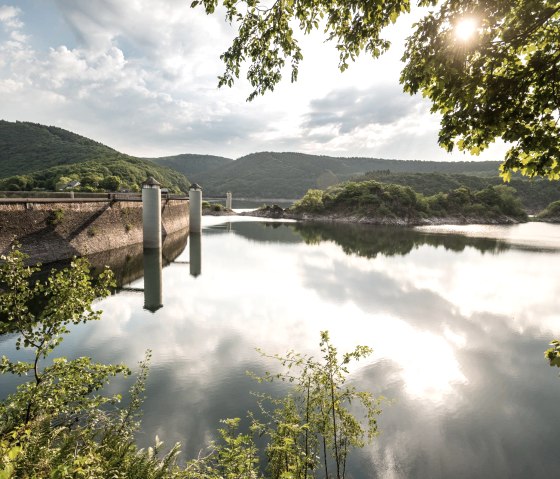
pixel 52 230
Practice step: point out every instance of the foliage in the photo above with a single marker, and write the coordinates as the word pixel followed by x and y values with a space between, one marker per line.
pixel 104 175
pixel 535 194
pixel 65 298
pixel 56 217
pixel 44 157
pixel 311 201
pixel 553 353
pixel 313 428
pixel 551 212
pixel 266 37
pixel 59 425
pixel 378 200
pixel 28 147
pixel 191 165
pixel 290 175
pixel 503 83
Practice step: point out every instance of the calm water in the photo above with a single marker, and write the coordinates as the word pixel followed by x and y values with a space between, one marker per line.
pixel 458 319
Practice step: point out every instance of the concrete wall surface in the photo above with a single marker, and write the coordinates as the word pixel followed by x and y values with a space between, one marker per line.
pixel 56 231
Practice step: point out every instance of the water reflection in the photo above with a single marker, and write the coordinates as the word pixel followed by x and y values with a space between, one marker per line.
pixel 153 279
pixel 195 254
pixel 458 326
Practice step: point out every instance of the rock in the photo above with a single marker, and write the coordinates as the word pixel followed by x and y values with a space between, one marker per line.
pixel 267 211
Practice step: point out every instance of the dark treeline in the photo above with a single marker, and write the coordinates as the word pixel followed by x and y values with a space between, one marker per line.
pixel 385 202
pixel 535 194
pixel 290 175
pixel 112 174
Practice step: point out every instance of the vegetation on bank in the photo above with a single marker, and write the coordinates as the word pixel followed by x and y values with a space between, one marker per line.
pixel 60 424
pixel 534 193
pixel 113 174
pixel 388 202
pixel 551 213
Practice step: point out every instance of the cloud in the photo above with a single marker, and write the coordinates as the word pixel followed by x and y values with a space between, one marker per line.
pixel 9 16
pixel 141 77
pixel 350 109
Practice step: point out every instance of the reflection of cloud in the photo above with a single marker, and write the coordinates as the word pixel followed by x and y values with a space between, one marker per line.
pixel 472 394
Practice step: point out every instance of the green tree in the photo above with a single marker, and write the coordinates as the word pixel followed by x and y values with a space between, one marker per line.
pixel 313 428
pixel 503 82
pixel 39 313
pixel 59 424
pixel 111 183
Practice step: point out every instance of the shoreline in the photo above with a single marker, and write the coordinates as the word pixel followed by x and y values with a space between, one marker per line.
pixel 276 212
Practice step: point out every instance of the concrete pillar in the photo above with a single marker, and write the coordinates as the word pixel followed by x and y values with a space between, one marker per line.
pixel 195 209
pixel 151 213
pixel 153 280
pixel 195 254
pixel 72 194
pixel 229 200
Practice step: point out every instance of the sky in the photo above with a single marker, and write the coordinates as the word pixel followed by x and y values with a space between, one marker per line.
pixel 141 76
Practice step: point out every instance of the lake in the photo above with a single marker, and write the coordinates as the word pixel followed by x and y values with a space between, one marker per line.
pixel 458 318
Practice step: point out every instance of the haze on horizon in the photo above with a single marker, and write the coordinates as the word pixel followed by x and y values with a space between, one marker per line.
pixel 141 77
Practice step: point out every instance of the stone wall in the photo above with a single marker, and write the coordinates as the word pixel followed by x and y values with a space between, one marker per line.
pixel 54 231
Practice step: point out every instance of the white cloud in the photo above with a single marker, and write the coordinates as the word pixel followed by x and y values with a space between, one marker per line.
pixel 142 77
pixel 9 16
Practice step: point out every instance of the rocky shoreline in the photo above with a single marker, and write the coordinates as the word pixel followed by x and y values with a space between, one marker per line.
pixel 276 212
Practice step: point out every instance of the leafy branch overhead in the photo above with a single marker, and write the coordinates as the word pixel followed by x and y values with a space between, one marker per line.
pixel 266 37
pixel 503 83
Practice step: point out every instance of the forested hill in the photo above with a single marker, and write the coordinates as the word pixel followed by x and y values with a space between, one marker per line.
pixel 34 156
pixel 26 147
pixel 290 175
pixel 192 165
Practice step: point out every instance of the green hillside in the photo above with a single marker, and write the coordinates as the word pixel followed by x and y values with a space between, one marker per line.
pixel 113 174
pixel 34 156
pixel 192 165
pixel 26 147
pixel 290 175
pixel 385 203
pixel 535 194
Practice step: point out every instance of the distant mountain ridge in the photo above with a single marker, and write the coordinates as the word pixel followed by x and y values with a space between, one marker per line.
pixel 191 164
pixel 33 149
pixel 290 175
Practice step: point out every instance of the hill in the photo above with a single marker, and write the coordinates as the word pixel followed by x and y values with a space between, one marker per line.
pixel 27 147
pixel 191 165
pixel 290 175
pixel 535 194
pixel 111 174
pixel 34 156
pixel 377 203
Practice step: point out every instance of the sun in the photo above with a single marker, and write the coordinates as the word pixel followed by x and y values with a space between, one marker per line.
pixel 465 29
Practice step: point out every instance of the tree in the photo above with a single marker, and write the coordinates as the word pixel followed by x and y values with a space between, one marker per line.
pixel 502 82
pixel 110 183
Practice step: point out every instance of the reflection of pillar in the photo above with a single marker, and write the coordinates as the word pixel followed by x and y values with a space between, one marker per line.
pixel 195 254
pixel 229 200
pixel 153 290
pixel 151 213
pixel 195 208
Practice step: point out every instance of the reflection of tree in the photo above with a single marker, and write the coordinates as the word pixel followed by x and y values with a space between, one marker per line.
pixel 553 354
pixel 369 241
